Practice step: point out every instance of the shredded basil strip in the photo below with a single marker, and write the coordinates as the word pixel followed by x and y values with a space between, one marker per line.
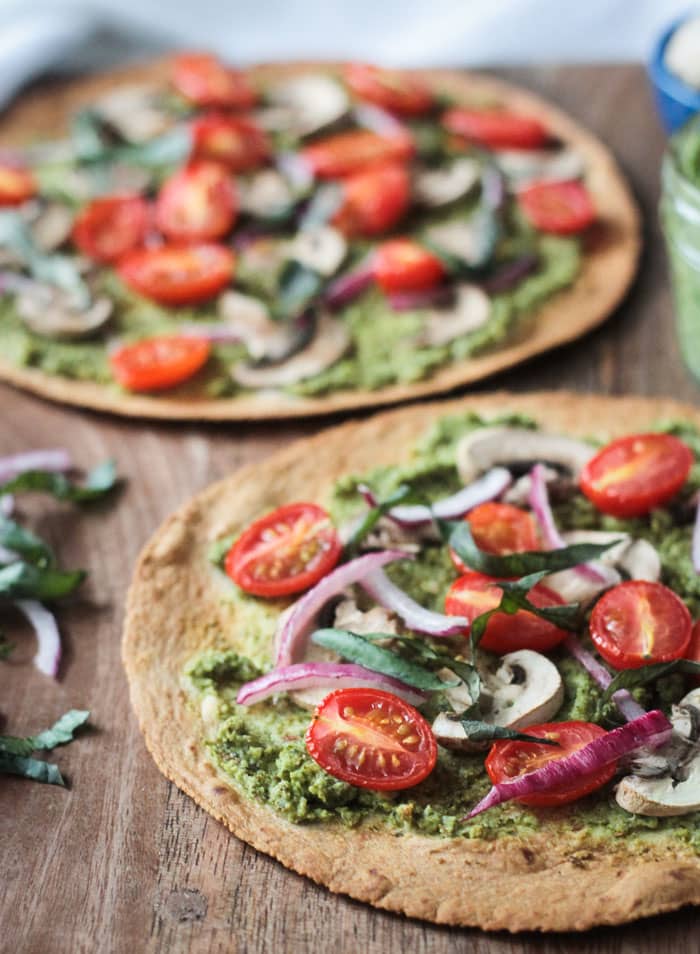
pixel 25 581
pixel 299 285
pixel 100 481
pixel 373 516
pixel 477 731
pixel 361 650
pixel 458 535
pixel 634 678
pixel 15 752
pixel 25 544
pixel 35 769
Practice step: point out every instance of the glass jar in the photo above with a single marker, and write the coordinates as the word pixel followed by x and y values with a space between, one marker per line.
pixel 680 220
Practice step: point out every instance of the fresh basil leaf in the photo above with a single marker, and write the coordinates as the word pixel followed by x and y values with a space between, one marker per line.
pixel 478 731
pixel 60 733
pixel 26 544
pixel 459 536
pixel 97 483
pixel 361 650
pixel 88 134
pixel 298 286
pixel 35 769
pixel 372 517
pixel 171 148
pixel 24 581
pixel 323 205
pixel 634 678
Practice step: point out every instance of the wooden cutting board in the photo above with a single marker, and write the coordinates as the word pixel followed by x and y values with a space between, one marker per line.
pixel 123 862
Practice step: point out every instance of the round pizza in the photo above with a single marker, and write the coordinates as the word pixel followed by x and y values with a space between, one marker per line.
pixel 445 661
pixel 197 241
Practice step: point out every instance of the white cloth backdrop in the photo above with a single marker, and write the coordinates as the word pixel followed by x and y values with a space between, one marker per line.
pixel 36 35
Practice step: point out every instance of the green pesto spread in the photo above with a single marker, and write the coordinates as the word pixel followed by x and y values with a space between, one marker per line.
pixel 260 749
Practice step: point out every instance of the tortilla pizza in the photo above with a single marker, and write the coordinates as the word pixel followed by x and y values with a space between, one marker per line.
pixel 508 579
pixel 296 240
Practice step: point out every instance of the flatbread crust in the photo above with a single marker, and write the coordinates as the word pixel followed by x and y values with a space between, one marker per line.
pixel 612 251
pixel 549 880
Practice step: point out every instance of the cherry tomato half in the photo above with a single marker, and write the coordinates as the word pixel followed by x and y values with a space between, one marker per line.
pixel 500 528
pixel 638 622
pixel 496 128
pixel 404 265
pixel 17 184
pixel 156 364
pixel 374 201
pixel 510 758
pixel 197 203
pixel 633 474
pixel 474 594
pixel 109 227
pixel 236 141
pixel 372 739
pixel 205 81
pixel 175 275
pixel 395 90
pixel 349 152
pixel 285 551
pixel 562 208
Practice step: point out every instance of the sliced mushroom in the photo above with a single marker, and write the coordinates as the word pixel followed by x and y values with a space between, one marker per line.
pixel 249 318
pixel 438 187
pixel 639 559
pixel 387 534
pixel 471 310
pixel 470 240
pixel 305 104
pixel 134 112
pixel 676 791
pixel 526 165
pixel 348 615
pixel 484 448
pixel 321 248
pixel 524 690
pixel 265 195
pixel 519 491
pixel 327 346
pixel 51 226
pixel 53 313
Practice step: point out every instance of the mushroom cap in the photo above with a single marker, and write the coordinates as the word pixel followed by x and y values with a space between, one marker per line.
pixel 484 448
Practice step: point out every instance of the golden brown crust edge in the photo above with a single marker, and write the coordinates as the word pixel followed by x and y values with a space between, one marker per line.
pixel 174 610
pixel 607 272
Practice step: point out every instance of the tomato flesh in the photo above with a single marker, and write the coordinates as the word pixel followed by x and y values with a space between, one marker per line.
pixel 638 622
pixel 394 90
pixel 403 265
pixel 157 364
pixel 349 152
pixel 562 208
pixel 175 275
pixel 235 141
pixel 372 739
pixel 205 81
pixel 17 184
pixel 198 203
pixel 109 227
pixel 475 593
pixel 285 551
pixel 374 201
pixel 496 128
pixel 509 759
pixel 500 529
pixel 633 474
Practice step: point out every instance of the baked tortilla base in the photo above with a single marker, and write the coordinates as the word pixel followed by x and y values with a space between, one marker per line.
pixel 175 609
pixel 612 250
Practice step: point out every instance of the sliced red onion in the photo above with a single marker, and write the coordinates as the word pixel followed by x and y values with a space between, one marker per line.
pixel 415 616
pixel 510 274
pixel 486 488
pixel 296 624
pixel 216 332
pixel 319 675
pixel 437 297
pixel 625 702
pixel 12 282
pixel 55 460
pixel 695 547
pixel 378 120
pixel 346 288
pixel 539 501
pixel 296 170
pixel 48 654
pixel 7 505
pixel 650 730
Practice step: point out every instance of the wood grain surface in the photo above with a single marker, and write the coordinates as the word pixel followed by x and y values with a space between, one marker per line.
pixel 123 862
